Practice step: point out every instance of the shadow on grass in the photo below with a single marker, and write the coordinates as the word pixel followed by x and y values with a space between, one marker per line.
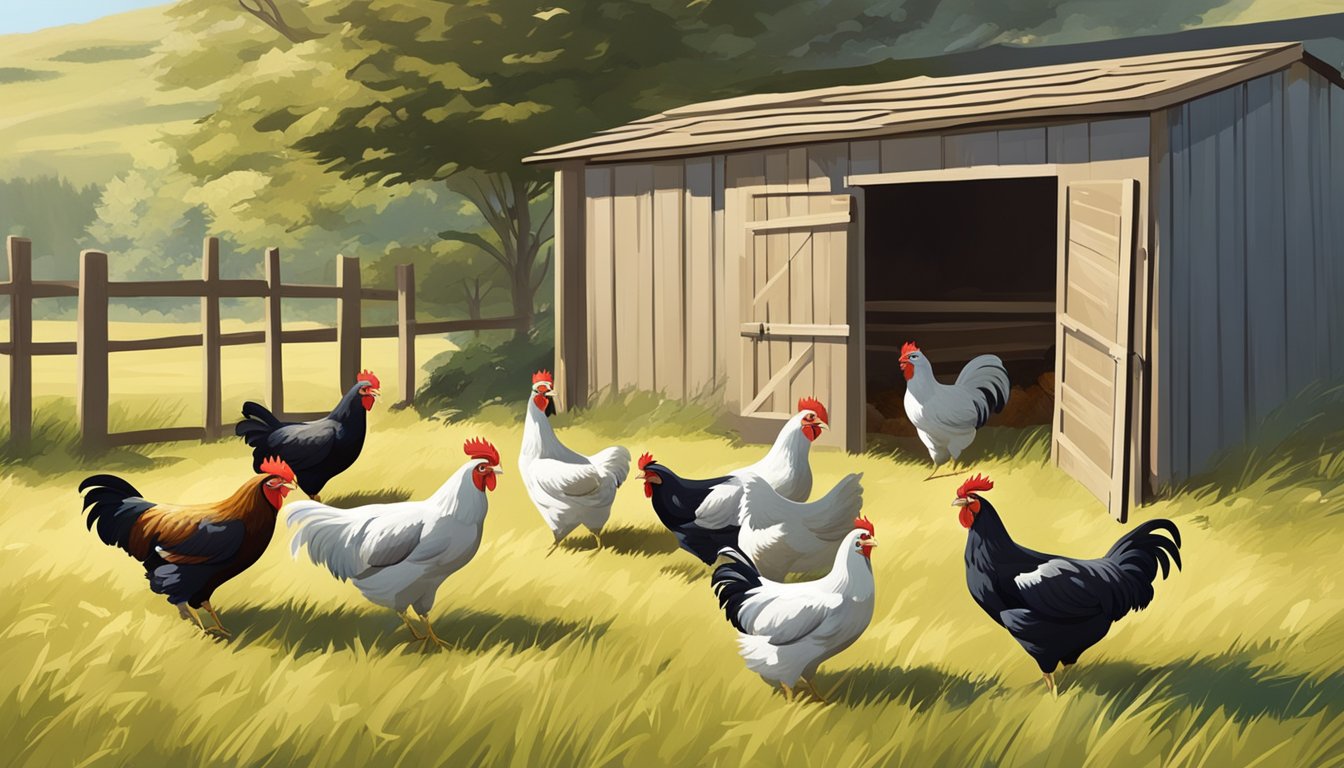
pixel 921 686
pixel 1245 690
pixel 360 498
pixel 625 540
pixel 1018 444
pixel 299 631
pixel 691 571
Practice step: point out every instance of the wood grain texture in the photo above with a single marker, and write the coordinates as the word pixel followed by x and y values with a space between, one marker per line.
pixel 626 260
pixel 275 381
pixel 644 342
pixel 91 342
pixel 1300 263
pixel 1230 108
pixel 406 331
pixel 1266 312
pixel 601 253
pixel 1133 85
pixel 349 331
pixel 19 251
pixel 701 280
pixel 1202 220
pixel 212 407
pixel 669 265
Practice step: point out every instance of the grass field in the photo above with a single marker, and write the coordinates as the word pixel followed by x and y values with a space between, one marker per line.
pixel 621 657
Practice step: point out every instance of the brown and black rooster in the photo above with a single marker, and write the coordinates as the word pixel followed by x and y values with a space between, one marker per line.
pixel 189 550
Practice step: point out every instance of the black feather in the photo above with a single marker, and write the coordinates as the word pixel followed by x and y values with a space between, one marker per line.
pixel 732 580
pixel 113 506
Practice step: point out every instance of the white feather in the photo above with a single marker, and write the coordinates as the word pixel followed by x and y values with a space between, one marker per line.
pixel 568 488
pixel 783 536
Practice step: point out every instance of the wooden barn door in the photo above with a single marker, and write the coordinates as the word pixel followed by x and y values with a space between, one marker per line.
pixel 796 314
pixel 1092 395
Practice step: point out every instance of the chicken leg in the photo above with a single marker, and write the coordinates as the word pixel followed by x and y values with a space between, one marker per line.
pixel 219 625
pixel 598 538
pixel 1050 684
pixel 430 637
pixel 406 617
pixel 789 694
pixel 812 688
pixel 190 614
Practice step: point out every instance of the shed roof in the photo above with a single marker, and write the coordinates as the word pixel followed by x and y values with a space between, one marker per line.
pixel 919 104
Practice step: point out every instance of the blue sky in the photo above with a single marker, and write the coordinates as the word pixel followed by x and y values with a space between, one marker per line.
pixel 28 15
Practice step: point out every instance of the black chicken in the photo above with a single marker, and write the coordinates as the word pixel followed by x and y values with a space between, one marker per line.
pixel 703 520
pixel 316 450
pixel 1058 607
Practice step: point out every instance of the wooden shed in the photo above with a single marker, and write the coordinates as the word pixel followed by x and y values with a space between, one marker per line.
pixel 1164 233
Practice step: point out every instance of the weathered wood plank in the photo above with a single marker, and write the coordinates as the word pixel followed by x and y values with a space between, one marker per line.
pixel 1230 108
pixel 20 255
pixel 1320 193
pixel 700 300
pixel 571 287
pixel 349 337
pixel 1067 143
pixel 1202 217
pixel 406 331
pixel 725 283
pixel 1335 214
pixel 626 259
pixel 1266 311
pixel 773 353
pixel 1178 330
pixel 647 284
pixel 800 275
pixel 911 153
pixel 275 372
pixel 1299 260
pixel 670 262
pixel 962 150
pixel 213 407
pixel 1118 139
pixel 744 176
pixel 865 157
pixel 91 341
pixel 601 252
pixel 1158 353
pixel 1022 146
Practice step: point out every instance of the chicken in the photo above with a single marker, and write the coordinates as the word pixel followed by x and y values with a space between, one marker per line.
pixel 701 528
pixel 946 416
pixel 1058 607
pixel 317 450
pixel 398 554
pixel 568 488
pixel 783 536
pixel 788 630
pixel 189 551
pixel 785 466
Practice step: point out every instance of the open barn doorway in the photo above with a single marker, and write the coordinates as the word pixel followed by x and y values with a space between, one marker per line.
pixel 962 268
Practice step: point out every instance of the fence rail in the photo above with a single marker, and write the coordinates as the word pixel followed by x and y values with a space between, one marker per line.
pixel 92 345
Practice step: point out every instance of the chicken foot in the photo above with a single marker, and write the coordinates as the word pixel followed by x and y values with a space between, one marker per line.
pixel 219 625
pixel 190 614
pixel 1050 684
pixel 406 617
pixel 430 637
pixel 812 688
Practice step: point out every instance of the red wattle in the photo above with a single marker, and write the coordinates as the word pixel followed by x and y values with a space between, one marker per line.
pixel 490 480
pixel 908 371
pixel 368 401
pixel 811 431
pixel 540 401
pixel 966 517
pixel 648 490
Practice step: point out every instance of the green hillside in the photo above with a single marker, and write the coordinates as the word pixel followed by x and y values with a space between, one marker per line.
pixel 81 101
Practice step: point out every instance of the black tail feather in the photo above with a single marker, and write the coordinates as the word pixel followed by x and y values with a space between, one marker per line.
pixel 1139 555
pixel 257 423
pixel 113 505
pixel 732 580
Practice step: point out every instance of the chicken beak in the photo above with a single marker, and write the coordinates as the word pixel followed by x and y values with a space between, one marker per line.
pixel 823 425
pixel 497 470
pixel 291 486
pixel 961 502
pixel 870 542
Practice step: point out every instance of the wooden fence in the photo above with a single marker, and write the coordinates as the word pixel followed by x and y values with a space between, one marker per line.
pixel 92 345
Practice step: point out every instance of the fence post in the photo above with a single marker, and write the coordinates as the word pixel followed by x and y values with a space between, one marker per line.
pixel 91 347
pixel 406 331
pixel 213 405
pixel 348 331
pixel 21 339
pixel 275 373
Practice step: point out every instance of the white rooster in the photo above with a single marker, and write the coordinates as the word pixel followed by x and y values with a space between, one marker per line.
pixel 782 536
pixel 788 630
pixel 946 416
pixel 398 554
pixel 785 466
pixel 568 488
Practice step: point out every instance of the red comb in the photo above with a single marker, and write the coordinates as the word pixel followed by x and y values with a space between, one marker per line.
pixel 277 466
pixel 864 524
pixel 814 405
pixel 908 347
pixel 975 483
pixel 543 375
pixel 368 376
pixel 645 461
pixel 480 448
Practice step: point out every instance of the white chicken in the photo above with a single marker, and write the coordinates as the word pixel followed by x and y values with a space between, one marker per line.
pixel 568 488
pixel 785 466
pixel 788 630
pixel 946 416
pixel 398 554
pixel 782 536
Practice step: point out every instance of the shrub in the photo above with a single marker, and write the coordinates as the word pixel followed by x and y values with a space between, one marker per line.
pixel 481 373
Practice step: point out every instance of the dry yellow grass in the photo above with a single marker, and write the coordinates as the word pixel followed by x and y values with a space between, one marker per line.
pixel 621 657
